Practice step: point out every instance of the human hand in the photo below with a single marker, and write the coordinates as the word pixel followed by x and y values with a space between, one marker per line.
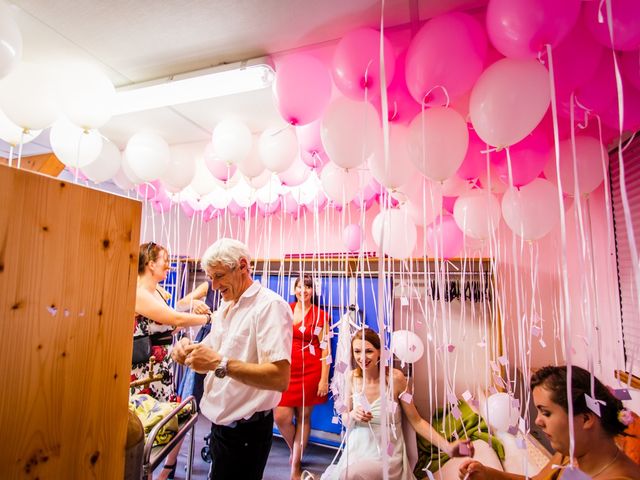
pixel 461 448
pixel 198 306
pixel 201 358
pixel 473 469
pixel 178 353
pixel 323 388
pixel 359 414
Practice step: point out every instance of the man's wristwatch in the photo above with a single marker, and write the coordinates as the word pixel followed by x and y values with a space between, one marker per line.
pixel 221 369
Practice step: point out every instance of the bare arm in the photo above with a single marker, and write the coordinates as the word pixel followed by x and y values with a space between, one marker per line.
pixel 265 376
pixel 323 386
pixel 474 470
pixel 193 301
pixel 162 313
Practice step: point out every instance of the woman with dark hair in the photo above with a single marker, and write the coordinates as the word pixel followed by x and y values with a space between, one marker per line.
pixel 157 320
pixel 309 382
pixel 362 455
pixel 595 451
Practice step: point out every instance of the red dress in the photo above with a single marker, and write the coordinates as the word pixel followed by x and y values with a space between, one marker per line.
pixel 306 368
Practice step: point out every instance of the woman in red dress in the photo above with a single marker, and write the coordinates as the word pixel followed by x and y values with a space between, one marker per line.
pixel 309 381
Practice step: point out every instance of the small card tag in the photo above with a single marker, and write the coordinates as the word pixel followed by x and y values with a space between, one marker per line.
pixel 451 398
pixel 513 430
pixel 593 404
pixel 312 349
pixel 302 328
pixel 543 344
pixel 323 345
pixel 335 420
pixel 464 450
pixel 574 473
pixel 328 360
pixel 622 394
pixel 341 367
pixel 406 397
pixel 457 414
pixel 503 360
pixel 535 331
pixel 467 395
pixel 317 331
pixel 404 301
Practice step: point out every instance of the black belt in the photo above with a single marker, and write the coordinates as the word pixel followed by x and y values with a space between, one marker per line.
pixel 160 339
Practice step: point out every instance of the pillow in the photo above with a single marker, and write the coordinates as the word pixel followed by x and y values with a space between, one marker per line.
pixel 483 454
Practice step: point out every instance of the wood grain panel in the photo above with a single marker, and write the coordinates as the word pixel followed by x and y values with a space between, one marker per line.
pixel 68 264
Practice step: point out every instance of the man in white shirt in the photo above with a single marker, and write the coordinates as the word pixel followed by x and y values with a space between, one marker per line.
pixel 247 358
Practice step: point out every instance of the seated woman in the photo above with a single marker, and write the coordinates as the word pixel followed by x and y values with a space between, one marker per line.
pixel 155 318
pixel 595 452
pixel 362 455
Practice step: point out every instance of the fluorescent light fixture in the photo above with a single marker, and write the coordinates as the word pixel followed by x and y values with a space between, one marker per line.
pixel 193 87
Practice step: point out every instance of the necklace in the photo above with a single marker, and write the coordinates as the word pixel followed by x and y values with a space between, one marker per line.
pixel 615 457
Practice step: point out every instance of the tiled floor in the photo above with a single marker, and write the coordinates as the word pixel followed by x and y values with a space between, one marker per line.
pixel 315 460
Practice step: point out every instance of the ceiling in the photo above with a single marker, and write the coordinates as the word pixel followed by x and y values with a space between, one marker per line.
pixel 136 41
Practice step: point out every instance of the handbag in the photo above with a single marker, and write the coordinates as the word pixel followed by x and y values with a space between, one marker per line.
pixel 141 350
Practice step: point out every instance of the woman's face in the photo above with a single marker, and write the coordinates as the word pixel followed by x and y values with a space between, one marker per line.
pixel 366 355
pixel 160 266
pixel 303 293
pixel 552 419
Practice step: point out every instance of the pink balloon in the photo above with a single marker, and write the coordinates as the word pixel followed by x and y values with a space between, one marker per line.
pixel 356 64
pixel 149 190
pixel 528 158
pixel 475 161
pixel 352 237
pixel 630 67
pixel 290 206
pixel 448 203
pixel 401 105
pixel 631 120
pixel 575 59
pixel 268 208
pixel 236 209
pixel 600 92
pixel 444 237
pixel 509 100
pixel 309 137
pixel 315 160
pixel 219 169
pixel 161 203
pixel 449 52
pixel 362 203
pixel 187 209
pixel 302 88
pixel 521 29
pixel 210 213
pixel 626 23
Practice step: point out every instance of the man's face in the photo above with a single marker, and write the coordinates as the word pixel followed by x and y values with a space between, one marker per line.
pixel 229 281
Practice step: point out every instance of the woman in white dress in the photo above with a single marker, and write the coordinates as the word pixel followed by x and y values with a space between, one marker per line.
pixel 362 457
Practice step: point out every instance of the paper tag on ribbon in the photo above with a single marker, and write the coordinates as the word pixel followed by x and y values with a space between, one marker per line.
pixel 464 450
pixel 317 331
pixel 328 360
pixel 323 345
pixel 466 395
pixel 574 473
pixel 312 349
pixel 593 404
pixel 457 414
pixel 341 367
pixel 302 328
pixel 406 397
pixel 622 394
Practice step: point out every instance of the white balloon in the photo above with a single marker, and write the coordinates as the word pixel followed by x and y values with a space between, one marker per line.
pixel 438 142
pixel 278 148
pixel 422 198
pixel 532 210
pixel 182 166
pixel 128 172
pixel 251 166
pixel 407 346
pixel 231 140
pixel 74 146
pixel 500 413
pixel 397 231
pixel 10 41
pixel 106 166
pixel 218 198
pixel 243 194
pixel 271 191
pixel 122 180
pixel 29 96
pixel 306 193
pixel 148 155
pixel 339 184
pixel 350 132
pixel 13 134
pixel 399 169
pixel 477 213
pixel 203 181
pixel 259 180
pixel 88 95
pixel 296 174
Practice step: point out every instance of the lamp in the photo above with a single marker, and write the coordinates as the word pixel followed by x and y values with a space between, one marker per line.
pixel 194 86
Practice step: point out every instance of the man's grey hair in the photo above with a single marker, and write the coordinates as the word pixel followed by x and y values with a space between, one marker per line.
pixel 225 251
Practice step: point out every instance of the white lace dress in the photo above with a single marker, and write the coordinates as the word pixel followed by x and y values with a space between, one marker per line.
pixel 362 454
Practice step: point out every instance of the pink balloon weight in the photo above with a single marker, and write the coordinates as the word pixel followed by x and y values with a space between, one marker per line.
pixel 448 52
pixel 528 158
pixel 475 161
pixel 268 209
pixel 576 59
pixel 509 100
pixel 302 88
pixel 401 107
pixel 444 237
pixel 626 23
pixel 630 67
pixel 521 29
pixel 352 237
pixel 356 64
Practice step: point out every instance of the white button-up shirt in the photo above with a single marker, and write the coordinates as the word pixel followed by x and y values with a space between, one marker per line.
pixel 256 329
